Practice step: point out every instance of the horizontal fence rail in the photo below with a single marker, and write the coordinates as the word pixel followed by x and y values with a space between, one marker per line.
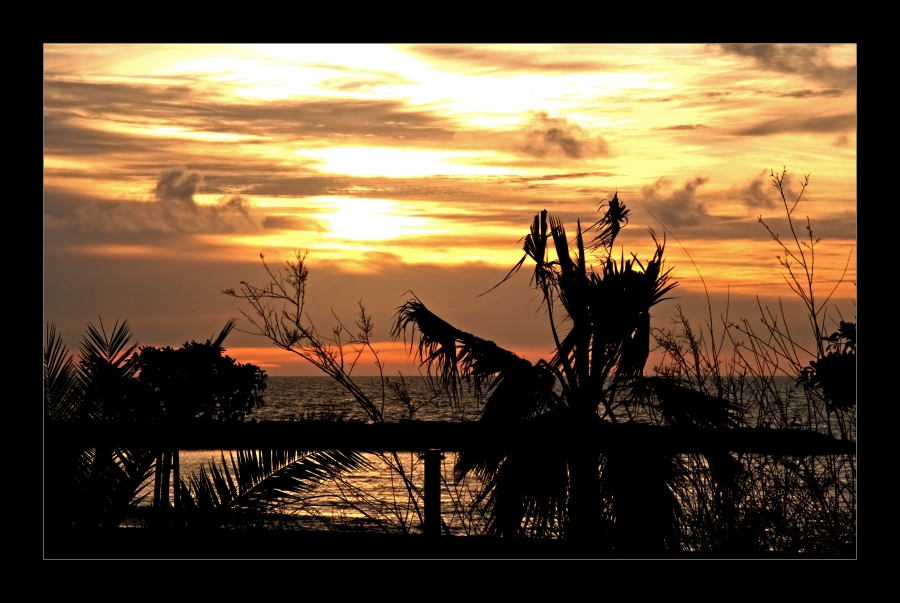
pixel 412 436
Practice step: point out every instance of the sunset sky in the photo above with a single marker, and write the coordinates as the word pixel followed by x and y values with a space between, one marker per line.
pixel 169 169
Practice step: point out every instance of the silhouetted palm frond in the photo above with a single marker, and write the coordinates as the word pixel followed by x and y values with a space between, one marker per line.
pixel 96 486
pixel 452 356
pixel 104 370
pixel 60 382
pixel 226 330
pixel 608 227
pixel 686 407
pixel 112 349
pixel 518 394
pixel 259 481
pixel 526 493
pixel 535 248
pixel 639 488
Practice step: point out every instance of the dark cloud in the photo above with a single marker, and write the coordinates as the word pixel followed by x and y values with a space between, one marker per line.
pixel 825 124
pixel 759 192
pixel 842 140
pixel 683 127
pixel 802 59
pixel 544 135
pixel 568 176
pixel 675 207
pixel 178 186
pixel 174 210
pixel 488 60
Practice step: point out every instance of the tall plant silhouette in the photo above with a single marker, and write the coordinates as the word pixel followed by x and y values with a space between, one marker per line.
pixel 600 322
pixel 277 312
pixel 768 501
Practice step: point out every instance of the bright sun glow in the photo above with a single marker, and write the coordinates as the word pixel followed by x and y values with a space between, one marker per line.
pixel 369 220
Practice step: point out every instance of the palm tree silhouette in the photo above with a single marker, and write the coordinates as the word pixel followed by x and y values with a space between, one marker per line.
pixel 97 486
pixel 555 487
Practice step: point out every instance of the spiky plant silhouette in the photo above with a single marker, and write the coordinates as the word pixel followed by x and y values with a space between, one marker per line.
pixel 763 502
pixel 94 487
pixel 595 374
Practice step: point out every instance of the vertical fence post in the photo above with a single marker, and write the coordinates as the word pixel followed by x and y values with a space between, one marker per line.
pixel 433 493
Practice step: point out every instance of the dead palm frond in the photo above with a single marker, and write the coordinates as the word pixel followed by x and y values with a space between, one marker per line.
pixel 452 357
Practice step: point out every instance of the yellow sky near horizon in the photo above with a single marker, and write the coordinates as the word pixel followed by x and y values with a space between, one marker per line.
pixel 382 159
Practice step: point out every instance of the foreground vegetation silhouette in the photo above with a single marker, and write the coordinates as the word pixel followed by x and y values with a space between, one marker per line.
pixel 97 487
pixel 627 500
pixel 631 500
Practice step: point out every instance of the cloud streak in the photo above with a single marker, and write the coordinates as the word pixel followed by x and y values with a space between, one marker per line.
pixel 509 59
pixel 827 124
pixel 179 105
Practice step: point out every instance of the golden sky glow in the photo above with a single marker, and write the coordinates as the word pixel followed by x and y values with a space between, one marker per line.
pixel 425 164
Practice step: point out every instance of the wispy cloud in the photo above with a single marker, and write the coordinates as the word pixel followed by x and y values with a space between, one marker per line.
pixel 180 106
pixel 509 59
pixel 364 81
pixel 812 93
pixel 826 124
pixel 682 127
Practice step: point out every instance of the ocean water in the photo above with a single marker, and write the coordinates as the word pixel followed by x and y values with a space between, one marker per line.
pixel 289 398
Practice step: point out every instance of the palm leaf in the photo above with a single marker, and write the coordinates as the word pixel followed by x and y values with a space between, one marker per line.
pixel 259 480
pixel 60 382
pixel 608 227
pixel 452 356
pixel 100 486
pixel 104 370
